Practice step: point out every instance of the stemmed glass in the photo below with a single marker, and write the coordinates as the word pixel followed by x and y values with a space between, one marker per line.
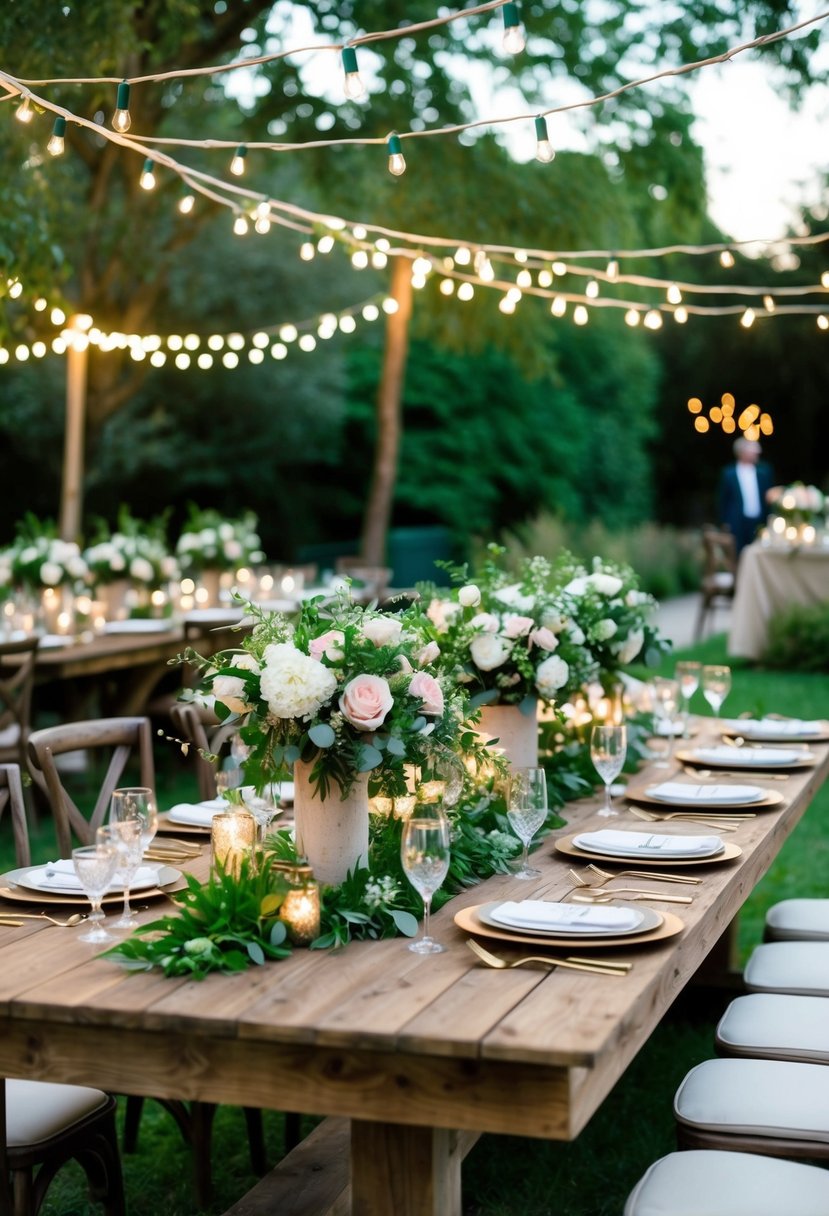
pixel 424 853
pixel 716 685
pixel 688 674
pixel 263 807
pixel 526 811
pixel 136 802
pixel 228 779
pixel 95 866
pixel 665 705
pixel 125 837
pixel 608 749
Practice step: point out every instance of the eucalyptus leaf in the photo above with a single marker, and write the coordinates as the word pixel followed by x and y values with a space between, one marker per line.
pixel 322 735
pixel 292 754
pixel 404 922
pixel 486 697
pixel 370 757
pixel 396 746
pixel 528 706
pixel 256 953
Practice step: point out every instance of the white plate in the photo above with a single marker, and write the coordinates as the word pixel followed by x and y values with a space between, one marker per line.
pixel 749 757
pixel 35 878
pixel 613 843
pixel 585 920
pixel 218 615
pixel 776 730
pixel 197 814
pixel 685 793
pixel 141 625
pixel 53 641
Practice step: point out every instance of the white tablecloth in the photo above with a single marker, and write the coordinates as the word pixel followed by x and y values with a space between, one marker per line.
pixel 770 580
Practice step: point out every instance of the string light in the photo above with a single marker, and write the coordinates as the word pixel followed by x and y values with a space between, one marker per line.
pixel 823 322
pixel 55 145
pixel 580 315
pixel 240 224
pixel 674 295
pixel 612 271
pixel 24 112
pixel 237 164
pixel 747 319
pixel 768 304
pixel 824 279
pixel 187 202
pixel 397 161
pixel 632 317
pixel 544 150
pixel 262 223
pixel 326 243
pixel 727 259
pixel 512 39
pixel 147 180
pixel 653 319
pixel 592 289
pixel 121 120
pixel 680 315
pixel 353 86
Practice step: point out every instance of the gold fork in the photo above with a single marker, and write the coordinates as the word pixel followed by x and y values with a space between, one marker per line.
pixel 585 895
pixel 662 876
pixel 740 774
pixel 596 966
pixel 722 825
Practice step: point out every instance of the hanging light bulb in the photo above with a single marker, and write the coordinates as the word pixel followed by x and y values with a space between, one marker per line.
pixel 544 150
pixel 56 141
pixel 769 304
pixel 187 202
pixel 612 271
pixel 237 165
pixel 513 39
pixel 147 179
pixel 580 315
pixel 592 289
pixel 632 317
pixel 24 112
pixel 681 314
pixel 240 225
pixel 353 86
pixel 121 118
pixel 674 295
pixel 727 259
pixel 653 319
pixel 397 161
pixel 824 279
pixel 747 319
pixel 262 223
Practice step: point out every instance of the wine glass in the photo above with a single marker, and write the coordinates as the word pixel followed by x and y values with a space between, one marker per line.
pixel 228 779
pixel 264 807
pixel 688 674
pixel 608 749
pixel 424 853
pixel 665 705
pixel 95 866
pixel 526 811
pixel 136 801
pixel 716 685
pixel 125 836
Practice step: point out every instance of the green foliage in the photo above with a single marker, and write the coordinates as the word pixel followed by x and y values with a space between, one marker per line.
pixel 799 639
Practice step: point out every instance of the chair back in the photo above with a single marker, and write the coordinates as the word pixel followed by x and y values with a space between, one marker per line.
pixel 201 728
pixel 17 677
pixel 118 738
pixel 11 796
pixel 720 553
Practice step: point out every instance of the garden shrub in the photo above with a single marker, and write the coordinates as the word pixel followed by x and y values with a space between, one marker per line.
pixel 799 639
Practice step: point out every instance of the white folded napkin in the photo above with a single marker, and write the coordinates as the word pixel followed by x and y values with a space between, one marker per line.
pixel 647 844
pixel 773 728
pixel 540 914
pixel 685 792
pixel 747 757
pixel 61 876
pixel 668 728
pixel 197 814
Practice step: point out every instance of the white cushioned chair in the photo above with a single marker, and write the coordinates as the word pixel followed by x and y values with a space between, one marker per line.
pixel 48 1125
pixel 711 1183
pixel 755 1106
pixel 804 920
pixel 798 968
pixel 775 1026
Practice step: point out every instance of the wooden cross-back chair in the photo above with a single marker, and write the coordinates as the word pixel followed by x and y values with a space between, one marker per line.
pixel 199 726
pixel 719 575
pixel 11 796
pixel 122 738
pixel 17 676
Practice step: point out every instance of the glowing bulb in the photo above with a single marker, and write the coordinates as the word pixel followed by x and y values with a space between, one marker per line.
pixel 230 360
pixel 513 40
pixel 524 278
pixel 205 361
pixel 353 85
pixel 262 223
pixel 592 289
pixel 447 287
pixel 545 278
pixel 390 306
pixel 466 291
pixel 121 117
pixel 187 202
pixel 544 150
pixel 307 251
pixel 307 342
pixel 507 305
pixel 40 304
pixel 278 351
pixel 237 164
pixel 823 322
pixel 147 181
pixel 653 319
pixel 15 288
pixel 681 315
pixel 769 304
pixel 558 307
pixel 632 317
pixel 463 256
pixel 824 279
pixel 240 225
pixel 371 312
pixel 24 112
pixel 326 243
pixel 421 266
pixel 559 268
pixel 55 145
pixel 580 315
pixel 727 259
pixel 288 333
pixel 612 271
pixel 359 259
pixel 674 294
pixel 747 319
pixel 397 161
pixel 348 324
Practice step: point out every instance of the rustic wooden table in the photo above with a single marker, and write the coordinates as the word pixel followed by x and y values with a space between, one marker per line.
pixel 422 1053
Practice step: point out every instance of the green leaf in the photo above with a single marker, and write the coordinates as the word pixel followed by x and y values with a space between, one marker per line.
pixel 256 953
pixel 278 933
pixel 484 698
pixel 396 746
pixel 322 735
pixel 369 758
pixel 404 922
pixel 292 754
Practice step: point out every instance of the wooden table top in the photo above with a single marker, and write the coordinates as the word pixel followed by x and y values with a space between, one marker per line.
pixel 374 1031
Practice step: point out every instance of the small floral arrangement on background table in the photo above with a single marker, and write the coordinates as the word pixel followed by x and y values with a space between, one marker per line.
pixel 797 505
pixel 39 559
pixel 136 550
pixel 209 541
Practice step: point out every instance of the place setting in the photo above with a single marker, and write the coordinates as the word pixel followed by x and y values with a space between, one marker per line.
pixel 654 848
pixel 725 798
pixel 733 758
pixel 772 729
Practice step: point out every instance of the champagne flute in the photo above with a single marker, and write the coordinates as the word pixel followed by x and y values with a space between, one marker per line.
pixel 95 866
pixel 526 811
pixel 136 801
pixel 688 673
pixel 424 853
pixel 665 705
pixel 716 685
pixel 126 838
pixel 608 749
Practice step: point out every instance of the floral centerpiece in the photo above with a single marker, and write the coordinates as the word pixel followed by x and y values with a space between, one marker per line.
pixel 40 559
pixel 211 542
pixel 136 550
pixel 351 698
pixel 797 504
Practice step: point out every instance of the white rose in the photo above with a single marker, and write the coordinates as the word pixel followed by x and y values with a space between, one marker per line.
pixel 514 598
pixel 469 596
pixel 554 621
pixel 604 630
pixel 488 651
pixel 141 570
pixel 577 586
pixel 50 574
pixel 382 630
pixel 230 690
pixel 226 531
pixel 487 622
pixel 631 647
pixel 516 626
pixel 576 634
pixel 441 612
pixel 29 554
pixel 607 584
pixel 551 675
pixel 116 562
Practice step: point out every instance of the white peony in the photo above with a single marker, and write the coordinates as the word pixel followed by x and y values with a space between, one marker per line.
pixel 607 584
pixel 576 634
pixel 604 629
pixel 487 622
pixel 50 574
pixel 293 684
pixel 382 630
pixel 513 597
pixel 551 675
pixel 231 691
pixel 469 596
pixel 141 570
pixel 488 651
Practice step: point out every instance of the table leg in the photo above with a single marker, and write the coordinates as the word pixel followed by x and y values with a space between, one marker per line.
pixel 410 1171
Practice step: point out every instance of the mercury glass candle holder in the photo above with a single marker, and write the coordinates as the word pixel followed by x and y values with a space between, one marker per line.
pixel 232 837
pixel 300 911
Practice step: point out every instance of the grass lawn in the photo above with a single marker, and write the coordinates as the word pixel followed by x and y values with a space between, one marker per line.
pixel 505 1176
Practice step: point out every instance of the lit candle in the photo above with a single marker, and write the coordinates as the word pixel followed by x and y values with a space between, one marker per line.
pixel 300 909
pixel 232 836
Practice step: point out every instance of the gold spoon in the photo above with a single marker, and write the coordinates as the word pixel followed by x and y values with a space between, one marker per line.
pixel 74 919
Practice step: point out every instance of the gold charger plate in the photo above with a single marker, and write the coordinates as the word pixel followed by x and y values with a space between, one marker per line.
pixel 167 826
pixel 733 762
pixel 468 920
pixel 26 895
pixel 729 853
pixel 771 799
pixel 779 740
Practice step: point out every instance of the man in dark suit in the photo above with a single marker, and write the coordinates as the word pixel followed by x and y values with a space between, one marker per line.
pixel 743 489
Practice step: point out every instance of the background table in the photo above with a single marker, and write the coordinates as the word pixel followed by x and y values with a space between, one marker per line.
pixel 769 580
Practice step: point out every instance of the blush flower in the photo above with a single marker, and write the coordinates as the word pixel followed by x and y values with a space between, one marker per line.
pixel 365 702
pixel 430 692
pixel 382 630
pixel 327 644
pixel 488 651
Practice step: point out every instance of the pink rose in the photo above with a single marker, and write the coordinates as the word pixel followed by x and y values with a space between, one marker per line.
pixel 404 665
pixel 430 692
pixel 516 626
pixel 327 644
pixel 365 702
pixel 428 654
pixel 543 638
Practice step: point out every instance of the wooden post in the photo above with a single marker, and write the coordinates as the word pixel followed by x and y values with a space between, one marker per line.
pixel 71 497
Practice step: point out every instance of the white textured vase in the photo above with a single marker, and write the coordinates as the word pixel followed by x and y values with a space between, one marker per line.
pixel 332 832
pixel 516 732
